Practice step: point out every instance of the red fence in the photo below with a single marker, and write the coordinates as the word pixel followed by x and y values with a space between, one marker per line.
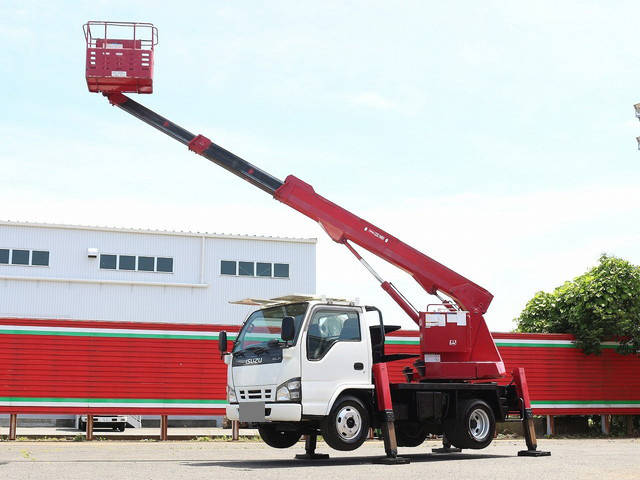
pixel 58 366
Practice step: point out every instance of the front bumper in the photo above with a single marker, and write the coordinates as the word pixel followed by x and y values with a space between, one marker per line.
pixel 277 412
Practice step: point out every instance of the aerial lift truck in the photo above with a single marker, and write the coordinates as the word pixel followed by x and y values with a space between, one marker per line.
pixel 304 365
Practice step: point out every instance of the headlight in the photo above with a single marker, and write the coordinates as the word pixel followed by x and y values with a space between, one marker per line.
pixel 231 395
pixel 289 391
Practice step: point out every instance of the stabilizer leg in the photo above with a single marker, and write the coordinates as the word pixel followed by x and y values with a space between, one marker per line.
pixel 385 407
pixel 310 449
pixel 531 441
pixel 390 443
pixel 446 447
pixel 527 417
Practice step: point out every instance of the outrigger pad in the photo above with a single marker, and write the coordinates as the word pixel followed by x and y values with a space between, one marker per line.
pixel 391 461
pixel 446 450
pixel 312 456
pixel 533 453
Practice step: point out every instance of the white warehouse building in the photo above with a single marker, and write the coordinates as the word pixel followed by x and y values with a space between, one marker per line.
pixel 118 274
pixel 69 272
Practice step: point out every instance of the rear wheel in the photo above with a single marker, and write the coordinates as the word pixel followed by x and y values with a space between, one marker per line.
pixel 475 428
pixel 410 434
pixel 278 438
pixel 347 425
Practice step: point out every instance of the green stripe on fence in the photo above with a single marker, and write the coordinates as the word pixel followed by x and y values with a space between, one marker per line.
pixel 114 334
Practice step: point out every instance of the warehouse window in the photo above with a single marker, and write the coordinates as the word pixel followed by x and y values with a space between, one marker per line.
pixel 227 267
pixel 254 269
pixel 40 258
pixel 165 264
pixel 108 261
pixel 127 262
pixel 133 263
pixel 246 269
pixel 20 257
pixel 146 264
pixel 263 269
pixel 36 258
pixel 281 270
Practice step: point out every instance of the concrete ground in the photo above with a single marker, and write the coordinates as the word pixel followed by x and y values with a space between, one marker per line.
pixel 571 459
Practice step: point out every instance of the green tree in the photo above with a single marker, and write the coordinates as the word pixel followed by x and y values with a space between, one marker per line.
pixel 602 304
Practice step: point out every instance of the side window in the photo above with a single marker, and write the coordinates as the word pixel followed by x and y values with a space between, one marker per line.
pixel 328 327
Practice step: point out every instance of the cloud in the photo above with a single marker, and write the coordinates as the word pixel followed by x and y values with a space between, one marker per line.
pixel 373 100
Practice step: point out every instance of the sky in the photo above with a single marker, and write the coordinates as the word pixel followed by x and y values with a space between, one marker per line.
pixel 496 137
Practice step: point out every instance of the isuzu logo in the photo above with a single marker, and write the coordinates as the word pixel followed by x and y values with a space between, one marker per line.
pixel 253 361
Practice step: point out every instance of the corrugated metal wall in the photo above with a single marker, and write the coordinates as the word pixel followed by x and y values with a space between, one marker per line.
pixel 58 366
pixel 562 380
pixel 195 292
pixel 108 367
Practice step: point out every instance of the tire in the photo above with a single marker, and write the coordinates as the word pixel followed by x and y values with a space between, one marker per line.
pixel 475 428
pixel 410 434
pixel 278 438
pixel 121 427
pixel 347 425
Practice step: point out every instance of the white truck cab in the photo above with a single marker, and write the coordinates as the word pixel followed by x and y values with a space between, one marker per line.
pixel 315 377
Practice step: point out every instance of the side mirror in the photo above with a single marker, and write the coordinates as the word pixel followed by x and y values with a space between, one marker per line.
pixel 288 329
pixel 222 342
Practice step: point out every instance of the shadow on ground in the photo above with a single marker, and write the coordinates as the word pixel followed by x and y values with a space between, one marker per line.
pixel 339 461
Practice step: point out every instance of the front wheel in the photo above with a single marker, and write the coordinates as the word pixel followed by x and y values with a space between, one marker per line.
pixel 347 426
pixel 278 438
pixel 476 427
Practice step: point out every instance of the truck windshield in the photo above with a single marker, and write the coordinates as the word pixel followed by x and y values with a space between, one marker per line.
pixel 263 327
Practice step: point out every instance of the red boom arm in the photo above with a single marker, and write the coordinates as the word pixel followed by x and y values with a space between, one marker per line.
pixel 343 226
pixel 456 345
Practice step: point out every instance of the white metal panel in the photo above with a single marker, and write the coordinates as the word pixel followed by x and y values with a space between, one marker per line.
pixel 203 298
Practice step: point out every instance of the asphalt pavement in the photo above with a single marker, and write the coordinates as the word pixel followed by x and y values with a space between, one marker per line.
pixel 600 459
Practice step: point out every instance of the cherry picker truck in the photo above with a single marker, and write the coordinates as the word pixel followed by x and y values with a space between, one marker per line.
pixel 289 370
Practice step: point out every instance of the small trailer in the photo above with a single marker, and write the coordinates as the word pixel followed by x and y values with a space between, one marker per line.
pixel 312 366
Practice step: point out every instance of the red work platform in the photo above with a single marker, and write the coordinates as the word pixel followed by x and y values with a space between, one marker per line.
pixel 120 56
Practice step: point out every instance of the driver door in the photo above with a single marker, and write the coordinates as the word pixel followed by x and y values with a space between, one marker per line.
pixel 335 354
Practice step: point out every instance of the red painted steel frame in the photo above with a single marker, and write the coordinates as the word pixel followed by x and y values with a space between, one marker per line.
pixel 119 64
pixel 482 360
pixel 342 226
pixel 383 390
pixel 479 360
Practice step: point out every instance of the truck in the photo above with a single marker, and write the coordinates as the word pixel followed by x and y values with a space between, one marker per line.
pixel 305 365
pixel 114 422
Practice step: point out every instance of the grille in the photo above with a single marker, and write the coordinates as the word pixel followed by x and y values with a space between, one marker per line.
pixel 256 393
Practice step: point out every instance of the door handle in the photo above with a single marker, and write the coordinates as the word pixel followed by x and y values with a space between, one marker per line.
pixel 358 366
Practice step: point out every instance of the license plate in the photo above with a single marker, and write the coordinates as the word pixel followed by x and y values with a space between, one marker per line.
pixel 251 411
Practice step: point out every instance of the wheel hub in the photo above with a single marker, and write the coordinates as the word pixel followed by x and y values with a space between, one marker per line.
pixel 348 423
pixel 479 424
